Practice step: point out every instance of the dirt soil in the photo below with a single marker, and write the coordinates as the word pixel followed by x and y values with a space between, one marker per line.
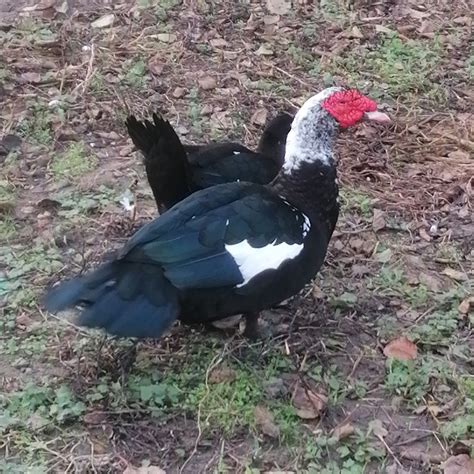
pixel 369 369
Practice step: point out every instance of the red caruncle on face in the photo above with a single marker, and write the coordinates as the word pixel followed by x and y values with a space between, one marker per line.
pixel 348 107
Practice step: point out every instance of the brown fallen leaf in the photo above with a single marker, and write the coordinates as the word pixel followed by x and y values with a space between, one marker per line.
pixel 178 92
pixel 383 29
pixel 454 274
pixel 30 78
pixel 376 427
pixel 144 470
pixel 207 82
pixel 271 19
pixel 279 472
pixel 401 349
pixel 227 323
pixel 460 464
pixel 166 37
pixel 378 221
pixel 279 7
pixel 95 417
pixel 259 117
pixel 264 50
pixel 156 65
pixel 218 42
pixel 465 305
pixel 104 21
pixel 307 403
pixel 424 235
pixel 343 431
pixel 222 374
pixel 265 421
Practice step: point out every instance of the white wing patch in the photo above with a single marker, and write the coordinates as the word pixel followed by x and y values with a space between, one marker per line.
pixel 252 261
pixel 306 225
pixel 236 152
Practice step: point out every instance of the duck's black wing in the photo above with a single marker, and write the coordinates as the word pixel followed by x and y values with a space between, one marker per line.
pixel 194 241
pixel 227 163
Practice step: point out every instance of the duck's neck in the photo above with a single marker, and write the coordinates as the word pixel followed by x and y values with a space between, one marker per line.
pixel 308 175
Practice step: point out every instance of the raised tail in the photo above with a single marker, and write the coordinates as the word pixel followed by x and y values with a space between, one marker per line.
pixel 166 164
pixel 127 299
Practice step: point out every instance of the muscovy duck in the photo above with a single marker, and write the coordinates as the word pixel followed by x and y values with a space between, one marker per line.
pixel 172 178
pixel 230 249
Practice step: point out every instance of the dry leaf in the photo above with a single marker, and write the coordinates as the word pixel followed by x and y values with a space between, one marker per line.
pixel 424 235
pixel 207 83
pixel 384 256
pixel 259 117
pixel 45 4
pixel 167 37
pixel 401 349
pixel 227 323
pixel 465 305
pixel 104 21
pixel 460 464
pixel 279 472
pixel 265 421
pixel 433 283
pixel 454 274
pixel 356 33
pixel 95 418
pixel 343 431
pixel 179 92
pixel 264 50
pixel 222 374
pixel 30 77
pixel 383 29
pixel 144 470
pixel 279 7
pixel 307 403
pixel 218 42
pixel 376 426
pixel 221 120
pixel 271 19
pixel 378 221
pixel 155 65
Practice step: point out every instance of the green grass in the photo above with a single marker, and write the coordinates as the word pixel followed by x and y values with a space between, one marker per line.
pixel 8 228
pixel 412 380
pixel 397 67
pixel 358 201
pixel 21 263
pixel 74 161
pixel 135 74
pixel 391 281
pixel 97 84
pixel 76 204
pixel 161 8
pixel 36 127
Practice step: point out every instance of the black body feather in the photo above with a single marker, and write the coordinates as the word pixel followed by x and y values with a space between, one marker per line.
pixel 173 177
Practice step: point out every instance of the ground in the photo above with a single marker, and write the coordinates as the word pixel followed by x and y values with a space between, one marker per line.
pixel 368 369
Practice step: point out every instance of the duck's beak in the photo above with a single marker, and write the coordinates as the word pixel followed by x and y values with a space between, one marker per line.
pixel 378 117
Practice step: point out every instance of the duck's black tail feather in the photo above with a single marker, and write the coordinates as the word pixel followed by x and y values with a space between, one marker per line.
pixel 166 164
pixel 127 299
pixel 273 140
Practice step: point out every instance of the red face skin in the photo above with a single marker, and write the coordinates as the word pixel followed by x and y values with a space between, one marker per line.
pixel 348 107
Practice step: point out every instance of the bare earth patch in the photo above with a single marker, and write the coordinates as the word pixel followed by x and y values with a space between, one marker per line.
pixel 319 396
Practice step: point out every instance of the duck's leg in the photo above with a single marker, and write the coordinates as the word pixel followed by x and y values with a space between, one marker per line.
pixel 252 330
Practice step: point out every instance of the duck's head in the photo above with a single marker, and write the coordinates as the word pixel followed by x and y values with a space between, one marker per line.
pixel 317 122
pixel 348 107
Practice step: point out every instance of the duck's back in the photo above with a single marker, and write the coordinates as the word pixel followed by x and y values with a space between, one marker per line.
pixel 229 162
